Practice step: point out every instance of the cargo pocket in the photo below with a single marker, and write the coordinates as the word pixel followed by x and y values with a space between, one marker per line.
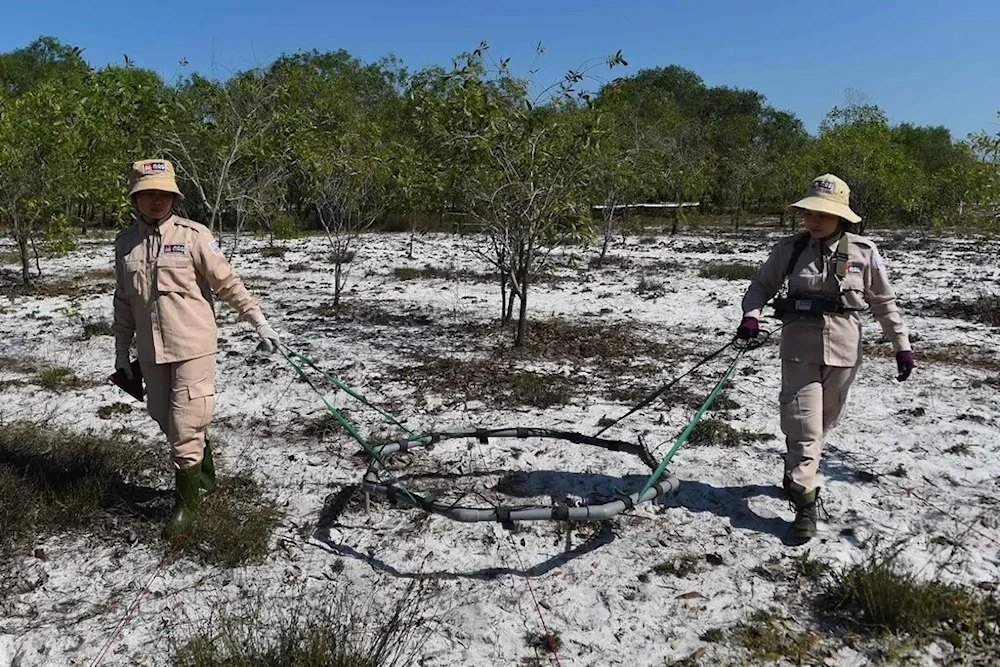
pixel 787 396
pixel 175 276
pixel 852 291
pixel 201 397
pixel 134 277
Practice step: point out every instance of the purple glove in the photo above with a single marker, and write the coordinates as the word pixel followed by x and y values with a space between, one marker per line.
pixel 905 364
pixel 749 328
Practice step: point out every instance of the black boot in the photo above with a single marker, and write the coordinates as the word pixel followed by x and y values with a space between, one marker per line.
pixel 187 499
pixel 208 468
pixel 804 526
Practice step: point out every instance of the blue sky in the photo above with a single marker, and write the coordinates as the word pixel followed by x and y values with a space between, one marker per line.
pixel 923 61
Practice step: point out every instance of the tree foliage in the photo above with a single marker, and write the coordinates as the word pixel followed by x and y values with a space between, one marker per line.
pixel 338 143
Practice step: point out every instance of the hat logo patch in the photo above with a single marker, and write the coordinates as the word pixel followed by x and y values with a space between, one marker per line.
pixel 150 168
pixel 823 186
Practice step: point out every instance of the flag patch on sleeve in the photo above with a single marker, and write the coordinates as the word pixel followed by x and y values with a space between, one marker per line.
pixel 216 248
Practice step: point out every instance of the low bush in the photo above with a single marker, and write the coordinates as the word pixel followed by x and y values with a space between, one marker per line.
pixel 729 271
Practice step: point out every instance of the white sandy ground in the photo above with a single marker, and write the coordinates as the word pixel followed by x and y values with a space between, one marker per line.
pixel 587 578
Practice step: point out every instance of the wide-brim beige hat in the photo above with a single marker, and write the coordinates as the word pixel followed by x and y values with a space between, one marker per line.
pixel 828 194
pixel 153 174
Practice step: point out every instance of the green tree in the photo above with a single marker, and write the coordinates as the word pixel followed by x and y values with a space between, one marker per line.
pixel 44 60
pixel 347 189
pixel 856 143
pixel 214 130
pixel 947 167
pixel 40 163
pixel 785 168
pixel 987 178
pixel 324 95
pixel 624 168
pixel 661 106
pixel 125 114
pixel 527 164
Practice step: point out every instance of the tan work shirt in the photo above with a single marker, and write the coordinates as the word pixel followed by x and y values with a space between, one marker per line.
pixel 164 277
pixel 833 339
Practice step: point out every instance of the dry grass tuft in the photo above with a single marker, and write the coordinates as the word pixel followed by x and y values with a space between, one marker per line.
pixel 338 627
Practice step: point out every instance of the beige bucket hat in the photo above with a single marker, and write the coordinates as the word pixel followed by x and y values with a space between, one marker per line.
pixel 828 194
pixel 153 174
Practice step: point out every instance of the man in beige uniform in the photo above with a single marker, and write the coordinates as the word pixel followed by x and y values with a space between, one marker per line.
pixel 165 269
pixel 833 275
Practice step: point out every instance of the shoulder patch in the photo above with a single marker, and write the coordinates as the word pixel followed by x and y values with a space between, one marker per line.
pixel 215 247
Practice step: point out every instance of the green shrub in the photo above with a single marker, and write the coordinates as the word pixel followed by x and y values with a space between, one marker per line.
pixel 769 638
pixel 716 432
pixel 97 328
pixel 880 596
pixel 273 251
pixel 542 391
pixel 729 271
pixel 109 411
pixel 233 527
pixel 53 479
pixel 286 227
pixel 59 379
pixel 650 288
pixel 336 628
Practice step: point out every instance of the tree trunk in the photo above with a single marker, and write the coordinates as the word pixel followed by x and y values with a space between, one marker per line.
pixel 38 262
pixel 522 316
pixel 503 298
pixel 608 231
pixel 336 283
pixel 22 248
pixel 675 217
pixel 509 312
pixel 524 269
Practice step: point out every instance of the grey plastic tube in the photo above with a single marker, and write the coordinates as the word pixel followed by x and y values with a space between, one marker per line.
pixel 373 485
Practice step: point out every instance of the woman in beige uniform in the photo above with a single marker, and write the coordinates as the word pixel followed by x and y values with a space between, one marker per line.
pixel 833 275
pixel 165 269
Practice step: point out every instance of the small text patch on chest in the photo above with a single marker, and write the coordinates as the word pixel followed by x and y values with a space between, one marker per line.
pixel 175 249
pixel 856 267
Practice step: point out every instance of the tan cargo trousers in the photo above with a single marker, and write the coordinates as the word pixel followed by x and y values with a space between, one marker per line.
pixel 812 399
pixel 180 398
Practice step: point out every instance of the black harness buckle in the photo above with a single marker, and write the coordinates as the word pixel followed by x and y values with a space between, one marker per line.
pixel 806 307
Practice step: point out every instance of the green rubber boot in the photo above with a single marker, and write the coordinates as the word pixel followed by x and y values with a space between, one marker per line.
pixel 187 499
pixel 804 525
pixel 208 469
